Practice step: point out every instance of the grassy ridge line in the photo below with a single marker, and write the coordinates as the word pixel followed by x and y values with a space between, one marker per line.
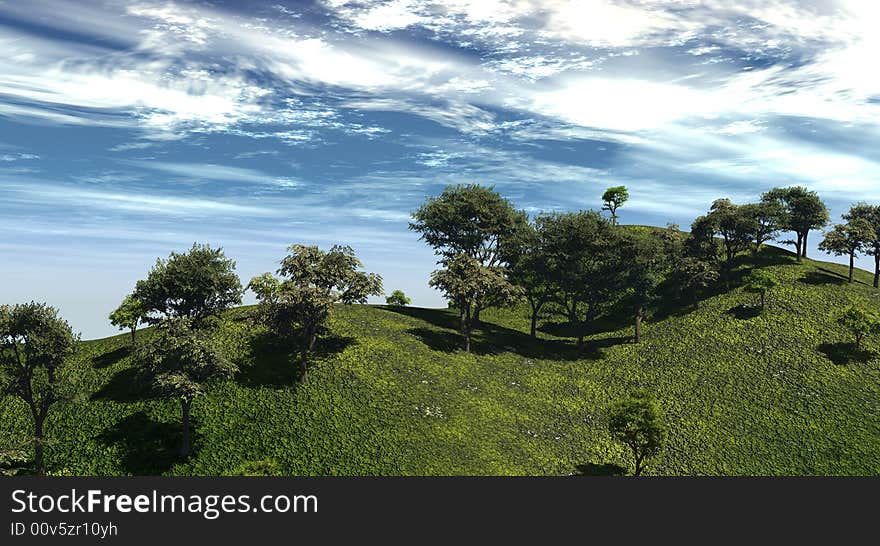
pixel 391 394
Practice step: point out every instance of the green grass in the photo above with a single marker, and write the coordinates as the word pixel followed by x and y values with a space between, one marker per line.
pixel 390 393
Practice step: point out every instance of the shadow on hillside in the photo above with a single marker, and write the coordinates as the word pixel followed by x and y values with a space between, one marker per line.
pixel 128 385
pixel 276 361
pixel 111 357
pixel 594 469
pixel 744 311
pixel 844 353
pixel 816 278
pixel 148 447
pixel 489 338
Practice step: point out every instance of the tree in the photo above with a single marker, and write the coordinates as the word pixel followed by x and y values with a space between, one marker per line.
pixel 181 362
pixel 692 275
pixel 528 270
pixel 700 242
pixel 398 299
pixel 802 211
pixel 469 219
pixel 300 303
pixel 635 422
pixel 197 284
pixel 871 214
pixel 613 199
pixel 648 259
pixel 34 343
pixel 859 322
pixel 761 283
pixel 733 225
pixel 130 313
pixel 583 265
pixel 465 282
pixel 848 240
pixel 764 220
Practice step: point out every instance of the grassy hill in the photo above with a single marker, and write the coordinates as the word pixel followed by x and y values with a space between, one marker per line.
pixel 390 393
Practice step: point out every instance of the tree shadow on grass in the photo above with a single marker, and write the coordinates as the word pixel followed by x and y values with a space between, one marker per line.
pixel 744 311
pixel 844 353
pixel 816 278
pixel 594 469
pixel 148 447
pixel 111 357
pixel 276 360
pixel 128 385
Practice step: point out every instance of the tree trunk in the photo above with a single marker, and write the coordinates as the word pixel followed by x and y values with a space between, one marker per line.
pixel 852 258
pixel 39 461
pixel 640 309
pixel 798 246
pixel 876 267
pixel 762 300
pixel 804 246
pixel 580 343
pixel 533 330
pixel 185 446
pixel 132 335
pixel 475 319
pixel 638 469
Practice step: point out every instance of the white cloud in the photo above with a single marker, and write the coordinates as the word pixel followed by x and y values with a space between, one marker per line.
pixel 213 172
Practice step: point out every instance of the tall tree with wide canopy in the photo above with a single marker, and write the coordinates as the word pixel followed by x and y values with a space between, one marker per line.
pixel 583 264
pixel 848 240
pixel 473 220
pixel 733 225
pixel 802 212
pixel 871 214
pixel 34 343
pixel 465 283
pixel 312 281
pixel 764 220
pixel 529 271
pixel 182 362
pixel 647 258
pixel 197 284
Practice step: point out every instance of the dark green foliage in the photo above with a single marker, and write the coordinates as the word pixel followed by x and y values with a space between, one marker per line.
pixel 398 299
pixel 181 361
pixel 764 220
pixel 802 211
pixel 469 219
pixel 871 214
pixel 299 304
pixel 859 322
pixel 849 239
pixel 613 199
pixel 529 271
pixel 466 283
pixel 761 283
pixel 734 225
pixel 636 423
pixel 130 314
pixel 197 285
pixel 34 345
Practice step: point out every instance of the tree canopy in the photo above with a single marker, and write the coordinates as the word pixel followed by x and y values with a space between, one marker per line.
pixel 802 211
pixel 613 199
pixel 636 423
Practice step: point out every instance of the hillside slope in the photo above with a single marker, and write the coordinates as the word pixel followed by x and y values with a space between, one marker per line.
pixel 390 393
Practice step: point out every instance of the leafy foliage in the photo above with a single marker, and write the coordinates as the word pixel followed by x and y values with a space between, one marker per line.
pixel 34 343
pixel 398 299
pixel 197 284
pixel 871 214
pixel 860 322
pixel 802 211
pixel 613 199
pixel 849 239
pixel 761 283
pixel 635 422
pixel 130 314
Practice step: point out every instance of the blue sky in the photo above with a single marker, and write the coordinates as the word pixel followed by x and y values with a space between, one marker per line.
pixel 131 129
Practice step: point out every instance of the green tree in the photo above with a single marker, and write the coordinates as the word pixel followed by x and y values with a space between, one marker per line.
pixel 197 284
pixel 761 283
pixel 700 242
pixel 871 214
pixel 312 281
pixel 473 220
pixel 859 322
pixel 613 199
pixel 398 299
pixel 181 362
pixel 636 423
pixel 583 265
pixel 648 259
pixel 34 343
pixel 802 211
pixel 733 225
pixel 848 240
pixel 529 271
pixel 130 313
pixel 466 283
pixel 764 220
pixel 692 276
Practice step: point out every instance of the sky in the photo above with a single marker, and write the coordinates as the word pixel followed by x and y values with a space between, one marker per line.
pixel 132 129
